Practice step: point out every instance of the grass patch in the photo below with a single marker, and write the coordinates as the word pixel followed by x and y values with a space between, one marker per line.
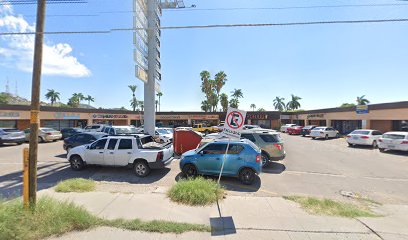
pixel 52 217
pixel 76 185
pixel 330 207
pixel 196 192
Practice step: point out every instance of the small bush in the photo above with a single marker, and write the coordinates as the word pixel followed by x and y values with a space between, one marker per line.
pixel 330 207
pixel 196 192
pixel 76 185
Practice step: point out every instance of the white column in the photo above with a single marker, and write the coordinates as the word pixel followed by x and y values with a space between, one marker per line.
pixel 149 88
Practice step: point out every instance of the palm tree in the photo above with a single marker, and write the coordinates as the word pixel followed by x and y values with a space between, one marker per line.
pixel 89 99
pixel 224 102
pixel 52 95
pixel 76 99
pixel 362 100
pixel 159 95
pixel 205 106
pixel 261 110
pixel 133 101
pixel 294 104
pixel 157 103
pixel 236 95
pixel 234 103
pixel 279 104
pixel 134 104
pixel 220 80
pixel 253 106
pixel 141 104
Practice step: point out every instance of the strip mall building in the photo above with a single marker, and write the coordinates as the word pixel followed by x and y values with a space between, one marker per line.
pixel 383 117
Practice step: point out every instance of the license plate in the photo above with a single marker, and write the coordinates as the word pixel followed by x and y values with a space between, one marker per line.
pixel 355 138
pixel 391 146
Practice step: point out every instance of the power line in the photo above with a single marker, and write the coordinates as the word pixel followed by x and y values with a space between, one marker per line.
pixel 34 2
pixel 215 26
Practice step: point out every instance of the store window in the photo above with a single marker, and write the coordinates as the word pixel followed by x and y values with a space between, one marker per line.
pixel 8 124
pixel 400 125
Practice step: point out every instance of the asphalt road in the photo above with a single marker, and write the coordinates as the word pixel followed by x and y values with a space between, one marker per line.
pixel 312 167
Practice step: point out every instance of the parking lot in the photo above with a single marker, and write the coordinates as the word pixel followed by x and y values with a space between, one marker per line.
pixel 312 167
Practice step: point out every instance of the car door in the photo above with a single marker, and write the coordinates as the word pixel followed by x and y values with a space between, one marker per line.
pixel 234 160
pixel 331 132
pixel 109 155
pixel 210 158
pixel 95 153
pixel 124 151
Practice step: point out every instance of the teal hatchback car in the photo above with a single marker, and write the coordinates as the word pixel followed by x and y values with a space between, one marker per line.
pixel 243 160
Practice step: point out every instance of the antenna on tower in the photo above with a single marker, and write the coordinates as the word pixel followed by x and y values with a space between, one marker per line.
pixel 7 86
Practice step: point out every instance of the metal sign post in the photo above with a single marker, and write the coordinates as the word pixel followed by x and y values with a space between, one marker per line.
pixel 234 123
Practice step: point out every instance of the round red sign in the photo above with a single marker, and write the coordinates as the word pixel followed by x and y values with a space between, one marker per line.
pixel 235 120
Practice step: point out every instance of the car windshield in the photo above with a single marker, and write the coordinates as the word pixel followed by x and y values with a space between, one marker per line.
pixel 319 129
pixel 162 131
pixel 10 130
pixel 394 136
pixel 126 130
pixel 359 132
pixel 271 138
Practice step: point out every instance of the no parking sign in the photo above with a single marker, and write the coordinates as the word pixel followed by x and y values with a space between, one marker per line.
pixel 234 122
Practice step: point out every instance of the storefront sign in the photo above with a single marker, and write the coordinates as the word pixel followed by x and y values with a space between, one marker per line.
pixel 362 109
pixel 110 116
pixel 258 116
pixel 203 117
pixel 171 117
pixel 9 115
pixel 319 115
pixel 67 116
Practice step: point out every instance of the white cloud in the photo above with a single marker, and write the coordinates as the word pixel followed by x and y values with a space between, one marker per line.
pixel 17 51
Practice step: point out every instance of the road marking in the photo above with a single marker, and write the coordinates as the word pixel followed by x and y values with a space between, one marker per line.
pixel 388 179
pixel 42 162
pixel 316 173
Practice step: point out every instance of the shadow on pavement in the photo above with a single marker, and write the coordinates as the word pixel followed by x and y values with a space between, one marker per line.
pixel 64 156
pixel 274 168
pixel 51 173
pixel 398 153
pixel 363 147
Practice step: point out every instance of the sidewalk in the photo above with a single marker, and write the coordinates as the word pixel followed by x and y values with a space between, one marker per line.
pixel 242 218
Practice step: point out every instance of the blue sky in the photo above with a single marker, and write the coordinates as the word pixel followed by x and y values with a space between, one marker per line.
pixel 326 65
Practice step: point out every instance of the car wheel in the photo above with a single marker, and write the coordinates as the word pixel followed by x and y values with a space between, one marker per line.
pixel 351 145
pixel 19 143
pixel 190 170
pixel 141 169
pixel 40 140
pixel 337 135
pixel 76 163
pixel 382 150
pixel 247 176
pixel 303 135
pixel 265 159
pixel 326 137
pixel 313 138
pixel 375 144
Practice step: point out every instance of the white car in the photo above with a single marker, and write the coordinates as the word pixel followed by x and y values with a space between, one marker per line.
pixel 140 153
pixel 393 141
pixel 164 135
pixel 285 127
pixel 364 137
pixel 324 132
pixel 120 130
pixel 94 128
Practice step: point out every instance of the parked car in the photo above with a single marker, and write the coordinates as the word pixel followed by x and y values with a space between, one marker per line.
pixel 324 132
pixel 220 126
pixel 120 130
pixel 285 127
pixel 121 151
pixel 11 135
pixel 204 128
pixel 393 141
pixel 243 160
pixel 164 135
pixel 94 128
pixel 306 130
pixel 270 143
pixel 250 127
pixel 364 137
pixel 295 130
pixel 68 132
pixel 82 139
pixel 44 135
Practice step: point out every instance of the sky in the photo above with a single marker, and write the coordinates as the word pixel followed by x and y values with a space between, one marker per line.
pixel 326 65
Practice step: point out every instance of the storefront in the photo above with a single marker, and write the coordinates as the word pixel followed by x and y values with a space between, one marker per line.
pixel 346 126
pixel 110 119
pixel 264 119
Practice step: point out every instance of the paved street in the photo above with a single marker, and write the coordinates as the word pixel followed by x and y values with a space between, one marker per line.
pixel 312 167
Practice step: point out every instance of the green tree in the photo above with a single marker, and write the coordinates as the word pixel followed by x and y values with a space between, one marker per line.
pixel 159 95
pixel 212 88
pixel 253 106
pixel 157 103
pixel 236 95
pixel 52 95
pixel 4 98
pixel 141 105
pixel 362 100
pixel 294 103
pixel 90 99
pixel 224 102
pixel 345 105
pixel 133 101
pixel 261 110
pixel 220 80
pixel 75 100
pixel 279 104
pixel 205 106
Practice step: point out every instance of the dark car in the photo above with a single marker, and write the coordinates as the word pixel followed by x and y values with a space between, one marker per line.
pixel 68 132
pixel 306 130
pixel 11 135
pixel 82 139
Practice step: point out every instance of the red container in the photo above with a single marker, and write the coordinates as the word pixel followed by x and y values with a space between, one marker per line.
pixel 185 140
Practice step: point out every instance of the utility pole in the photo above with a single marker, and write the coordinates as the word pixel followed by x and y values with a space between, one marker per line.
pixel 35 102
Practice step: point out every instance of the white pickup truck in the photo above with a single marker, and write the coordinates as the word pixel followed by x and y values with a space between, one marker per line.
pixel 139 152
